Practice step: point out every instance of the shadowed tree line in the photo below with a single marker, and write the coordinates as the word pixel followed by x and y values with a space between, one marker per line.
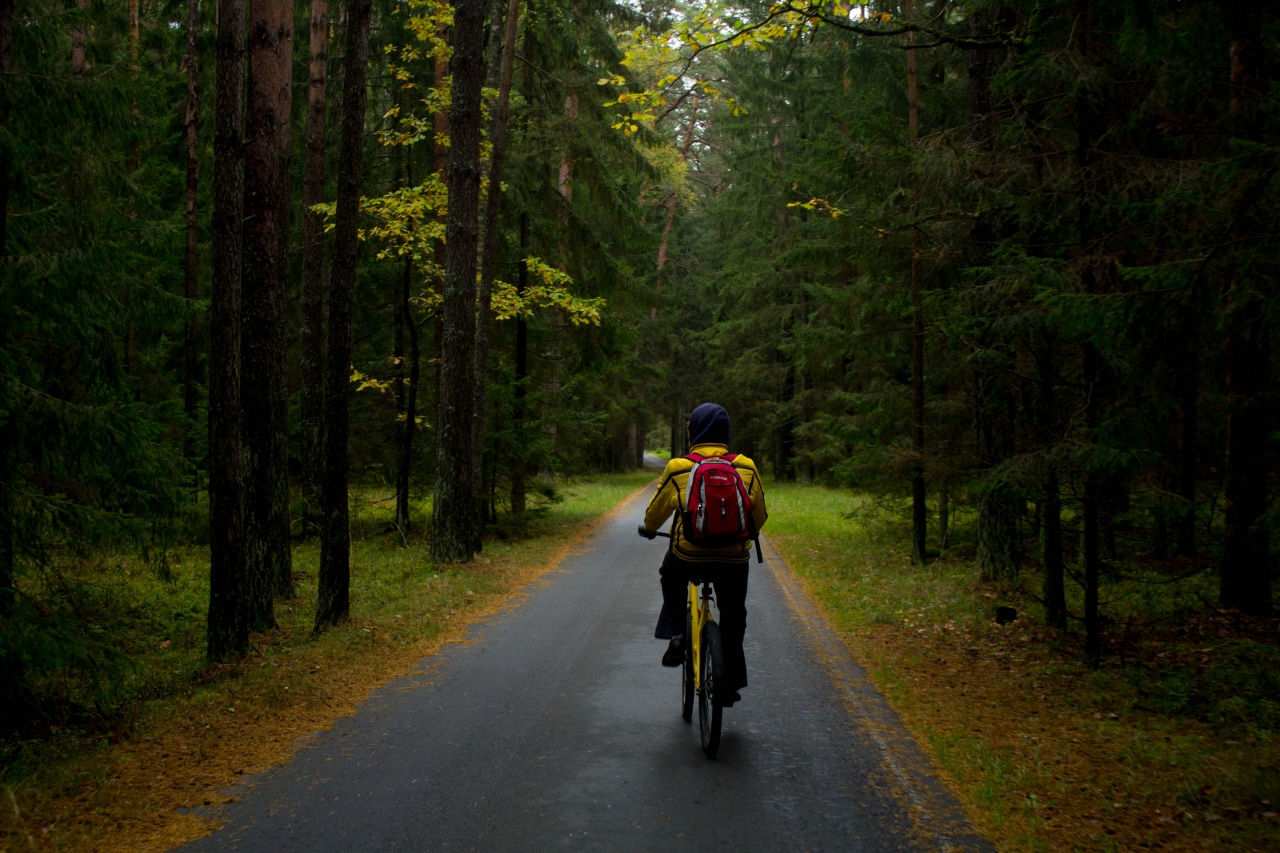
pixel 1023 254
pixel 1008 264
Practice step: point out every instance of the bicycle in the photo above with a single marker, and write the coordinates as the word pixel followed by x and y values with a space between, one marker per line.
pixel 703 665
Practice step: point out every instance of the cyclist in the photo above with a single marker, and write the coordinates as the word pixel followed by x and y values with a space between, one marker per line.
pixel 727 568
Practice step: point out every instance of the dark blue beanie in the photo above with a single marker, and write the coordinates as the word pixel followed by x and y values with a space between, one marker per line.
pixel 709 424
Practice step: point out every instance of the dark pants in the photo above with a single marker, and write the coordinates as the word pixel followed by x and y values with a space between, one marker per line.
pixel 729 581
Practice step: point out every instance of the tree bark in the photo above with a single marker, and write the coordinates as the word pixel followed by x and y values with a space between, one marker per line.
pixel 411 400
pixel 1189 394
pixel 919 510
pixel 7 430
pixel 1246 575
pixel 267 554
pixel 489 243
pixel 454 520
pixel 672 201
pixel 135 32
pixel 1245 571
pixel 228 624
pixel 311 396
pixel 78 38
pixel 1054 585
pixel 190 349
pixel 282 563
pixel 406 392
pixel 518 462
pixel 1092 492
pixel 333 605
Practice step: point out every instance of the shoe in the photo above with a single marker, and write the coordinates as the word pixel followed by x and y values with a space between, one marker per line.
pixel 729 697
pixel 674 655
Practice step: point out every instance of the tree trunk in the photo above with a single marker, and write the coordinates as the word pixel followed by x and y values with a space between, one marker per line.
pixel 1246 570
pixel 8 437
pixel 407 395
pixel 944 516
pixel 228 624
pixel 489 244
pixel 79 35
pixel 454 520
pixel 1092 492
pixel 1189 394
pixel 672 200
pixel 282 562
pixel 333 604
pixel 190 348
pixel 311 393
pixel 919 511
pixel 1054 584
pixel 135 32
pixel 410 402
pixel 267 555
pixel 519 464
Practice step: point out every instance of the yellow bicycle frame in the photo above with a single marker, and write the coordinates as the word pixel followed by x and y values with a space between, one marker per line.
pixel 700 610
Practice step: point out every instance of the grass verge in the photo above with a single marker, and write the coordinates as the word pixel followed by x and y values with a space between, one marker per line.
pixel 190 731
pixel 1170 745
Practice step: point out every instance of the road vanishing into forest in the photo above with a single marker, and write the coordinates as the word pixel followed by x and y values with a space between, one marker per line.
pixel 555 728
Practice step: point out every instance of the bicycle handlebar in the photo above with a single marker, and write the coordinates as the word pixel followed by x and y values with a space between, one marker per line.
pixel 651 534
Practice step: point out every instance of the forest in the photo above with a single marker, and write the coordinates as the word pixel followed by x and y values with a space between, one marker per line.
pixel 1007 267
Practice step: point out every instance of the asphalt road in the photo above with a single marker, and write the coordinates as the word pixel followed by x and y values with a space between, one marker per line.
pixel 556 728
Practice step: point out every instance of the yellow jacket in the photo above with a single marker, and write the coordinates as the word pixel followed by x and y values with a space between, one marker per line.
pixel 670 499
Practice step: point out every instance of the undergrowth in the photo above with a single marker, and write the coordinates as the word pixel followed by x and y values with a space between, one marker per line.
pixel 1170 743
pixel 152 627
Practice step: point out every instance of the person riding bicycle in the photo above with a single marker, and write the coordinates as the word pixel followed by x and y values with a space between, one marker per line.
pixel 686 562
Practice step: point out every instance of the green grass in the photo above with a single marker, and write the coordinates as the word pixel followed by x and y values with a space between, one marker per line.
pixel 156 628
pixel 1180 722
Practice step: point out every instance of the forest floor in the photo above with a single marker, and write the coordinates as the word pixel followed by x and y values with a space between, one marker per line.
pixel 1170 744
pixel 189 731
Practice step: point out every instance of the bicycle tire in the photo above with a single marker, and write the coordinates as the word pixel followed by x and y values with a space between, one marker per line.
pixel 710 712
pixel 686 674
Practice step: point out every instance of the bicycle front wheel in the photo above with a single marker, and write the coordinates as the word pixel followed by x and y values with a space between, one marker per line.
pixel 709 710
pixel 686 675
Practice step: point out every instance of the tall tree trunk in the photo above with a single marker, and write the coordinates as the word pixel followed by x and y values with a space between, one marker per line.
pixel 1245 572
pixel 228 623
pixel 454 519
pixel 333 604
pixel 1054 585
pixel 519 465
pixel 190 358
pixel 919 511
pixel 672 201
pixel 944 516
pixel 1092 492
pixel 406 393
pixel 282 563
pixel 135 32
pixel 489 243
pixel 311 396
pixel 78 38
pixel 1189 397
pixel 8 437
pixel 266 467
pixel 411 400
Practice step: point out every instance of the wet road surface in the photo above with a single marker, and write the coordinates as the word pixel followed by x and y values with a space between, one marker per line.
pixel 556 728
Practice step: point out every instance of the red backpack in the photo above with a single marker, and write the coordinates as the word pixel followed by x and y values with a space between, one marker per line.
pixel 717 511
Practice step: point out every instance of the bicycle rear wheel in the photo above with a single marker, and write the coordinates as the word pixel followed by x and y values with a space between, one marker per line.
pixel 686 674
pixel 710 712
